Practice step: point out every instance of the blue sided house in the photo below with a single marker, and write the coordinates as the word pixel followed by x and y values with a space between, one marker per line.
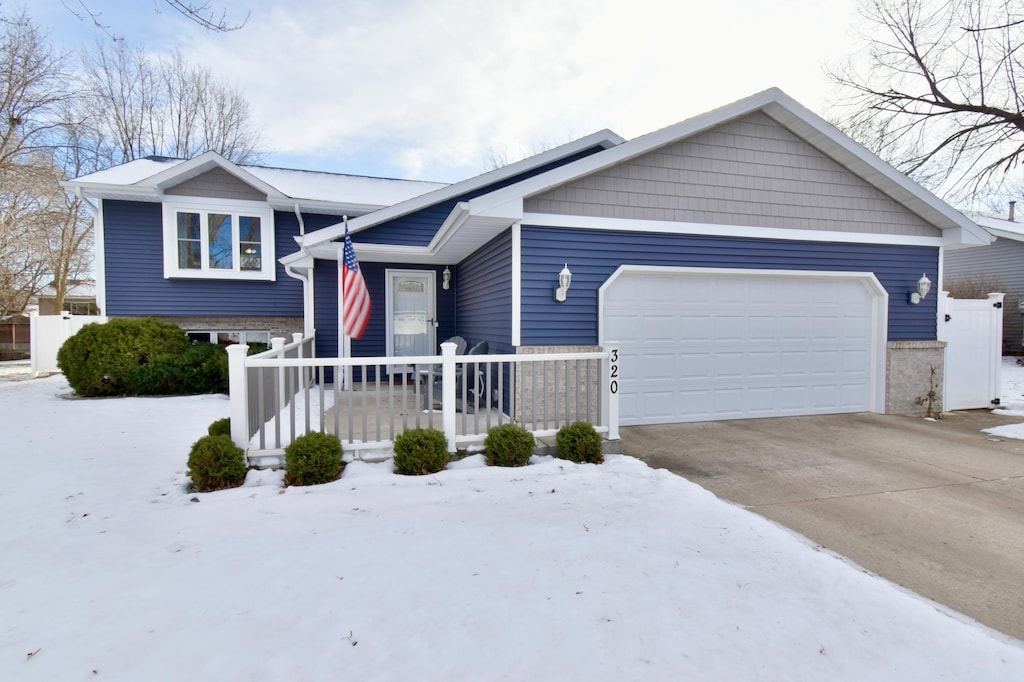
pixel 750 262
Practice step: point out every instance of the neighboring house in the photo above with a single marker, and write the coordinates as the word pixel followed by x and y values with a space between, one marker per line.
pixel 752 261
pixel 15 337
pixel 1000 266
pixel 79 299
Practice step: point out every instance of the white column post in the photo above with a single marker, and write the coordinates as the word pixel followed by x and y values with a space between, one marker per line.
pixel 277 344
pixel 996 348
pixel 448 392
pixel 33 341
pixel 238 394
pixel 301 371
pixel 612 382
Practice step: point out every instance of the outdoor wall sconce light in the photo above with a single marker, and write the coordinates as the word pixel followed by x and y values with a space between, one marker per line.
pixel 924 285
pixel 446 278
pixel 564 279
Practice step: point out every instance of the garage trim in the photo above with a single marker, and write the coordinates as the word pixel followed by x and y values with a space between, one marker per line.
pixel 879 307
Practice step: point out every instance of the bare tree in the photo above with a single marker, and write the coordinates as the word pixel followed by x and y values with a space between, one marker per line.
pixel 28 203
pixel 166 106
pixel 201 13
pixel 32 88
pixel 937 91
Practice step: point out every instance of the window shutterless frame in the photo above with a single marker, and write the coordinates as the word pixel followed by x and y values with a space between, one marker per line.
pixel 218 239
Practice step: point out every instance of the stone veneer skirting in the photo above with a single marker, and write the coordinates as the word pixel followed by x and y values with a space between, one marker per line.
pixel 283 327
pixel 563 380
pixel 914 373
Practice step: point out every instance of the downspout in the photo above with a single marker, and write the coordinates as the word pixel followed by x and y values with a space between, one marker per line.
pixel 306 279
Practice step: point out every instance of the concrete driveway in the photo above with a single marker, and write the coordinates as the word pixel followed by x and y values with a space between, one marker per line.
pixel 937 507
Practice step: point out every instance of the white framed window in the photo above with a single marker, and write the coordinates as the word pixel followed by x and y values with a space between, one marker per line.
pixel 218 239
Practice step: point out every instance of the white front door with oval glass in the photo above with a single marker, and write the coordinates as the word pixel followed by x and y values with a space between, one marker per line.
pixel 411 316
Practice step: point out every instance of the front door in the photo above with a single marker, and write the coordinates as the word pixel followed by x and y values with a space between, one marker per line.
pixel 410 313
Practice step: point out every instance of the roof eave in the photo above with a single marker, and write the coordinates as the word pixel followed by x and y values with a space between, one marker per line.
pixel 604 138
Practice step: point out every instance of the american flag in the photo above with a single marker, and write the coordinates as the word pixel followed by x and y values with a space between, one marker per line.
pixel 355 297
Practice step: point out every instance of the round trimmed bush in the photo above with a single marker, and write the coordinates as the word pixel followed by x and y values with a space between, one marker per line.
pixel 215 463
pixel 579 442
pixel 509 445
pixel 421 451
pixel 313 458
pixel 100 358
pixel 221 427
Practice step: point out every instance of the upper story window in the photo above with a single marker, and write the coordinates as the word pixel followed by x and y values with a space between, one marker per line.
pixel 218 239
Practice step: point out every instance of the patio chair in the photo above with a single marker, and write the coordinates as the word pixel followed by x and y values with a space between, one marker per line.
pixel 470 376
pixel 423 374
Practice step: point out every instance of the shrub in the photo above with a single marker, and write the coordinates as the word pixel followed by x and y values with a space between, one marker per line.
pixel 202 368
pixel 421 451
pixel 100 358
pixel 221 427
pixel 509 445
pixel 579 442
pixel 216 463
pixel 313 458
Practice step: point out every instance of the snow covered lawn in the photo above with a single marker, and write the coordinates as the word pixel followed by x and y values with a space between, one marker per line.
pixel 110 570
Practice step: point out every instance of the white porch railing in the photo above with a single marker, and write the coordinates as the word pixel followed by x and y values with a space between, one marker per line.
pixel 367 402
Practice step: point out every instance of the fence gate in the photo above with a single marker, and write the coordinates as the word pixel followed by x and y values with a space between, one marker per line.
pixel 49 332
pixel 973 332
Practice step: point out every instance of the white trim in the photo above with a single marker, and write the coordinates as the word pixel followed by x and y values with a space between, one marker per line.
pixel 431 295
pixel 99 258
pixel 879 316
pixel 790 114
pixel 668 227
pixel 204 163
pixel 517 284
pixel 205 206
pixel 605 138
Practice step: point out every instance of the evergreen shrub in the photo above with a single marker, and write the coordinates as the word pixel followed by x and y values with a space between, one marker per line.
pixel 579 442
pixel 221 427
pixel 100 358
pixel 216 463
pixel 421 451
pixel 202 368
pixel 509 445
pixel 313 458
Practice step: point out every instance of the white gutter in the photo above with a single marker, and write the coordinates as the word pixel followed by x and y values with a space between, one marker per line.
pixel 306 277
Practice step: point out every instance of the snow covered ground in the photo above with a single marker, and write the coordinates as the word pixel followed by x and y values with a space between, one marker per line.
pixel 111 570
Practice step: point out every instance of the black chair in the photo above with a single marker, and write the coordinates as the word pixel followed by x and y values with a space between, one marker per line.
pixel 471 377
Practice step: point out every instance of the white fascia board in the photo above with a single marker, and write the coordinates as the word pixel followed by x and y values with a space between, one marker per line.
pixel 868 166
pixel 299 259
pixel 206 162
pixel 94 190
pixel 625 151
pixel 707 229
pixel 788 113
pixel 1005 234
pixel 323 207
pixel 326 234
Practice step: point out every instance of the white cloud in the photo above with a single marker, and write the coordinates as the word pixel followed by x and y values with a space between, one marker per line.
pixel 430 88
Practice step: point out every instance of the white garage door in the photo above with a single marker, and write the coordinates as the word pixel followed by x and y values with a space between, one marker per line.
pixel 732 345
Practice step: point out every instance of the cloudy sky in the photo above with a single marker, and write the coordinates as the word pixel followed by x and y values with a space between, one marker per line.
pixel 433 89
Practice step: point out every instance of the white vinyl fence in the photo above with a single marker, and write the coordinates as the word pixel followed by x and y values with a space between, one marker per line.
pixel 285 392
pixel 973 332
pixel 49 332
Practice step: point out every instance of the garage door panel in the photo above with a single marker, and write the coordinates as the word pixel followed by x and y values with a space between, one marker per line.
pixel 731 346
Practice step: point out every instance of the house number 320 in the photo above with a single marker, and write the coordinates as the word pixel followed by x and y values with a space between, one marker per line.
pixel 614 371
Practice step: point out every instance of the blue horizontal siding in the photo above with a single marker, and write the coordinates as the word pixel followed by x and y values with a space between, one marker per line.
pixel 419 227
pixel 485 295
pixel 135 284
pixel 593 255
pixel 374 342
